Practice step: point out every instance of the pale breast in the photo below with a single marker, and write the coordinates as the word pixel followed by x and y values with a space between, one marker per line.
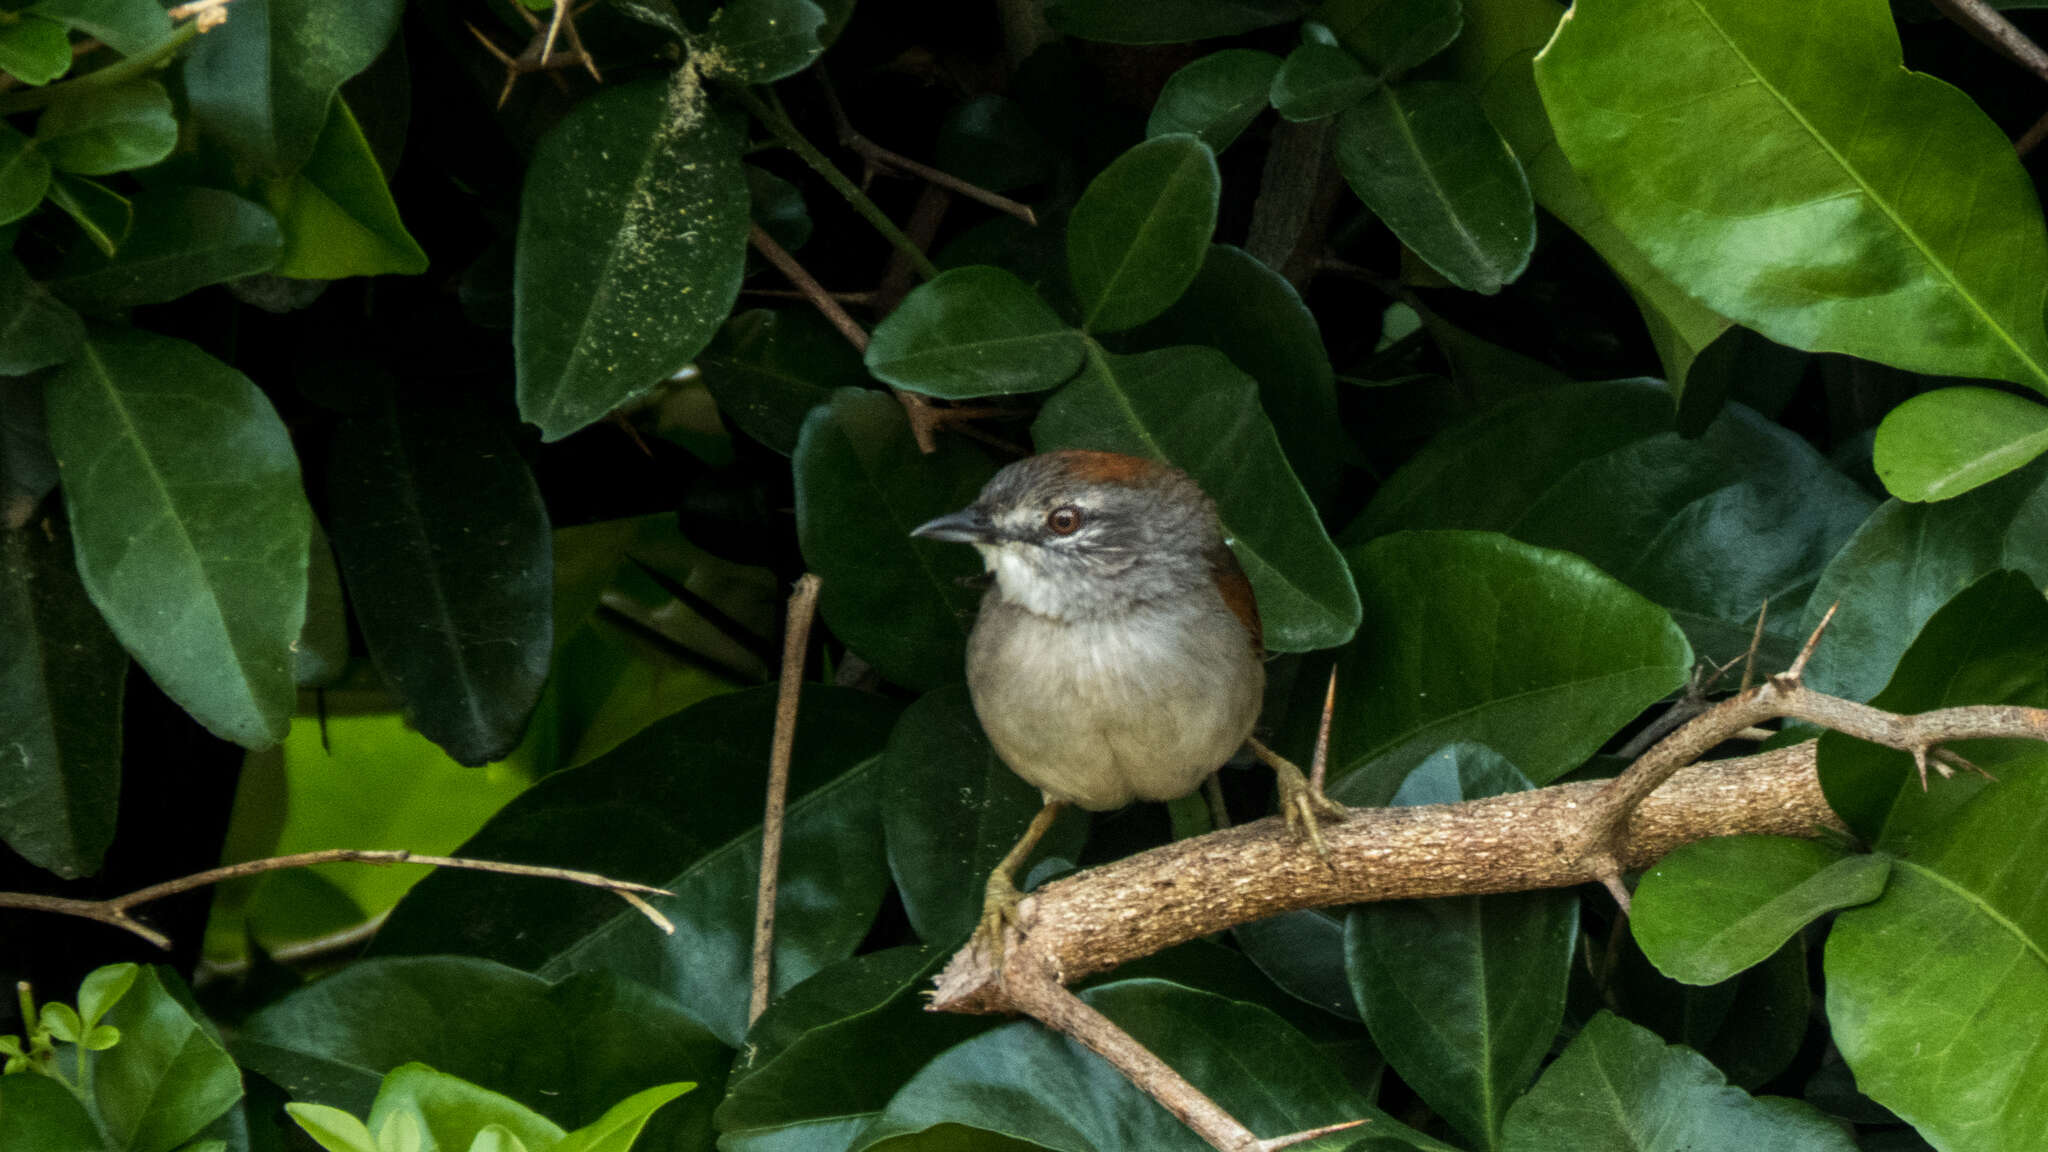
pixel 1099 714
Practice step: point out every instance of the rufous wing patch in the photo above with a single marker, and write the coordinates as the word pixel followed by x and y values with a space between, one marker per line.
pixel 1236 590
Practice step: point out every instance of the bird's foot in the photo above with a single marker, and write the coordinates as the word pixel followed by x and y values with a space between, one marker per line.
pixel 998 915
pixel 1304 806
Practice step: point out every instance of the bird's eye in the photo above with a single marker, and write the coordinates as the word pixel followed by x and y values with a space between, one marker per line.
pixel 1065 520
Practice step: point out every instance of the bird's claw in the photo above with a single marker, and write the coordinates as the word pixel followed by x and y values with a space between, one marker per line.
pixel 998 914
pixel 1304 807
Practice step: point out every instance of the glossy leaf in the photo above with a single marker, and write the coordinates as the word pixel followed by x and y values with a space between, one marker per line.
pixel 622 1124
pixel 191 529
pixel 1215 97
pixel 105 129
pixel 261 84
pixel 61 679
pixel 1463 995
pixel 1425 160
pixel 37 1112
pixel 24 174
pixel 34 50
pixel 579 1043
pixel 36 330
pixel 102 214
pixel 130 27
pixel 1752 1026
pixel 450 1112
pixel 1138 235
pixel 184 239
pixel 768 369
pixel 1618 1088
pixel 1716 907
pixel 762 41
pixel 1473 636
pixel 1944 443
pixel 1598 470
pixel 1782 166
pixel 1168 21
pixel 1303 954
pixel 861 486
pixel 168 1077
pixel 974 331
pixel 1190 407
pixel 677 806
pixel 1318 80
pixel 336 212
pixel 1251 314
pixel 1392 36
pixel 444 548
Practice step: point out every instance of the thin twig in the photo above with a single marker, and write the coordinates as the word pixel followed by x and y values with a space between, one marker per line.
pixel 810 288
pixel 114 910
pixel 2031 139
pixel 881 157
pixel 1756 640
pixel 1989 25
pixel 803 605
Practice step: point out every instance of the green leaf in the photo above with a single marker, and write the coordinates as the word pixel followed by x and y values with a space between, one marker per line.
pixel 61 679
pixel 1783 166
pixel 1906 561
pixel 950 811
pixel 1617 1088
pixel 993 142
pixel 24 174
pixel 678 806
pixel 130 27
pixel 778 207
pixel 336 212
pixel 975 331
pixel 1168 21
pixel 1138 235
pixel 622 1123
pixel 1943 443
pixel 632 240
pixel 1215 97
pixel 1425 160
pixel 168 1077
pixel 184 239
pixel 262 82
pixel 28 471
pixel 61 1021
pixel 36 330
pixel 1597 469
pixel 1715 907
pixel 104 215
pixel 580 1042
pixel 444 548
pixel 191 527
pixel 1473 636
pixel 762 41
pixel 34 50
pixel 1191 408
pixel 100 130
pixel 768 369
pixel 1318 80
pixel 103 988
pixel 38 1113
pixel 1464 995
pixel 861 486
pixel 1303 954
pixel 449 1111
pixel 320 656
pixel 1392 36
pixel 332 1128
pixel 1251 314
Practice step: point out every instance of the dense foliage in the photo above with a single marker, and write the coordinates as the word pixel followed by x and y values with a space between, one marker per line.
pixel 413 414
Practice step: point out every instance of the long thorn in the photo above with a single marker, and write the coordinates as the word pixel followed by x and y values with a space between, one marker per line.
pixel 1319 763
pixel 1756 640
pixel 1798 668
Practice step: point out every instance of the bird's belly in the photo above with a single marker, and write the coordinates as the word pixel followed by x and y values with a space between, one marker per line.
pixel 1099 715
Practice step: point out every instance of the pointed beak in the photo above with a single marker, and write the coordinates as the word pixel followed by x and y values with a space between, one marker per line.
pixel 967 526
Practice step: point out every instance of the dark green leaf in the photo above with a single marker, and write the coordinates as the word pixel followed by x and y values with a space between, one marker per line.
pixel 778 207
pixel 262 82
pixel 1715 907
pixel 1392 36
pixel 992 142
pixel 28 471
pixel 1216 97
pixel 677 806
pixel 61 675
pixel 36 330
pixel 24 174
pixel 1303 953
pixel 104 215
pixel 1617 1088
pixel 321 654
pixel 38 1113
pixel 1318 80
pixel 1251 314
pixel 184 238
pixel 1944 443
pixel 336 212
pixel 768 369
pixel 1781 165
pixel 1463 995
pixel 1425 160
pixel 1138 235
pixel 571 1048
pixel 33 50
pixel 950 811
pixel 762 41
pixel 168 1077
pixel 191 527
pixel 632 239
pixel 1473 636
pixel 861 486
pixel 130 27
pixel 975 331
pixel 444 547
pixel 1191 408
pixel 100 130
pixel 1751 1026
pixel 1168 21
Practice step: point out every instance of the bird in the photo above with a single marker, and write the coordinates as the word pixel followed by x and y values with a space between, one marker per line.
pixel 1117 655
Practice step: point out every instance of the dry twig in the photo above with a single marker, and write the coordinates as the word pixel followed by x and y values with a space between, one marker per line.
pixel 796 640
pixel 876 156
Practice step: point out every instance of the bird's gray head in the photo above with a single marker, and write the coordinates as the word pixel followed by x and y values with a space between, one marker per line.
pixel 1080 534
